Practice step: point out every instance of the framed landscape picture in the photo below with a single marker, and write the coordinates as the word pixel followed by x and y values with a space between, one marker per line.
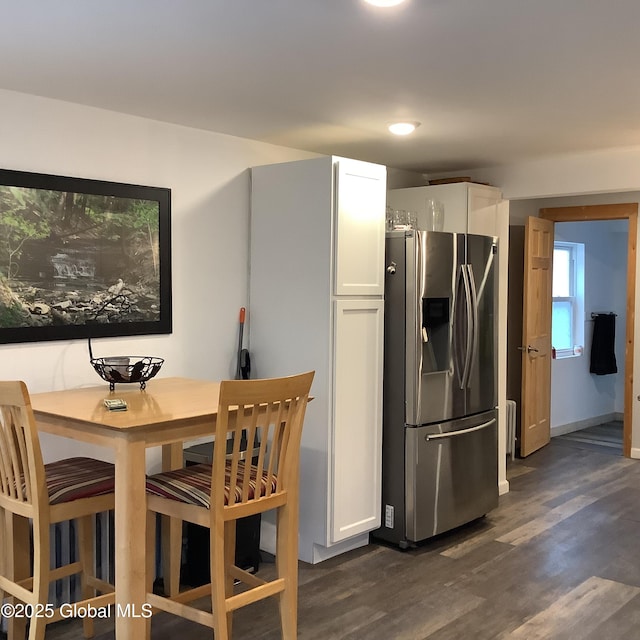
pixel 82 258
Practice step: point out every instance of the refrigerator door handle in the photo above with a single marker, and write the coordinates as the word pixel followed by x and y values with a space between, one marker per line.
pixel 449 434
pixel 474 322
pixel 455 337
pixel 469 329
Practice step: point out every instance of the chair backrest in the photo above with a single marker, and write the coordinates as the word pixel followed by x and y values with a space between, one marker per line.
pixel 266 416
pixel 21 466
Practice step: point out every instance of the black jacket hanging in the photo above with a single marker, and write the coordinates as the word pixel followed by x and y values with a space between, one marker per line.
pixel 603 357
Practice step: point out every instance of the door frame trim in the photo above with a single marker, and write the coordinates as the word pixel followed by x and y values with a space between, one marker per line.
pixel 624 211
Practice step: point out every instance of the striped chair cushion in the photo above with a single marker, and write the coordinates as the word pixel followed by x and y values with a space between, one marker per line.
pixel 76 478
pixel 192 485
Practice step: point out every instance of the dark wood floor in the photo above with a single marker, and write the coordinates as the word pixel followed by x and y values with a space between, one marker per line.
pixel 558 559
pixel 606 438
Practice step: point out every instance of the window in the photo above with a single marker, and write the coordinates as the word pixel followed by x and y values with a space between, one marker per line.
pixel 567 325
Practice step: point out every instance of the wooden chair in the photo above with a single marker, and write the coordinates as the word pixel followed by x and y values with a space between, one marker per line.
pixel 271 412
pixel 75 488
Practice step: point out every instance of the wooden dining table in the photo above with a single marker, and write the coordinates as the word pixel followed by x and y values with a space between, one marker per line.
pixel 166 413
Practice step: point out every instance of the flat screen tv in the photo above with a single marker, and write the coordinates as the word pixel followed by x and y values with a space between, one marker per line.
pixel 82 258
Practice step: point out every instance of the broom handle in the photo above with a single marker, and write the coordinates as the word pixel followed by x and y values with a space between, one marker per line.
pixel 242 316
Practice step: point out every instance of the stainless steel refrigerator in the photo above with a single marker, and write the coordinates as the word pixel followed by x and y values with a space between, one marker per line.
pixel 439 451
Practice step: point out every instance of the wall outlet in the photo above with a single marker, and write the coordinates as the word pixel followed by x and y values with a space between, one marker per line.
pixel 388 516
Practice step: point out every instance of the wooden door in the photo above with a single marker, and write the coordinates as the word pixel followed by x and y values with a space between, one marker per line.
pixel 622 211
pixel 535 429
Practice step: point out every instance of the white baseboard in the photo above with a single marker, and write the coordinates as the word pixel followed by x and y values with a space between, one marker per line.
pixel 635 453
pixel 503 487
pixel 560 430
pixel 319 553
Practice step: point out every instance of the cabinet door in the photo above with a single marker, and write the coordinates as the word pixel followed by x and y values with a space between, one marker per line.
pixel 483 210
pixel 359 228
pixel 356 439
pixel 452 196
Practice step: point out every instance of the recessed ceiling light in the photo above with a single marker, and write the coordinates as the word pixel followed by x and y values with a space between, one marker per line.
pixel 403 128
pixel 384 3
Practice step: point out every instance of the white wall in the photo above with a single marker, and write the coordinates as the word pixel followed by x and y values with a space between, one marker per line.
pixel 209 178
pixel 597 172
pixel 576 394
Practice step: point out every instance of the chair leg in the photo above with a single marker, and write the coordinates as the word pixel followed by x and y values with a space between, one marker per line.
pixel 287 568
pixel 171 554
pixel 3 552
pixel 229 561
pixel 37 628
pixel 218 581
pixel 150 568
pixel 86 537
pixel 41 569
pixel 17 552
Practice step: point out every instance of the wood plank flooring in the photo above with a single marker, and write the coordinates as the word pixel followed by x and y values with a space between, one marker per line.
pixel 559 559
pixel 606 438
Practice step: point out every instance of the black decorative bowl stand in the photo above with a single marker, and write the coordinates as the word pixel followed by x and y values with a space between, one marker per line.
pixel 125 369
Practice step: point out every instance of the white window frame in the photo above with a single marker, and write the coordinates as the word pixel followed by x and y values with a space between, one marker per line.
pixel 576 298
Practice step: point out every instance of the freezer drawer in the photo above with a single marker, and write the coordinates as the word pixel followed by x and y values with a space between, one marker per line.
pixel 451 474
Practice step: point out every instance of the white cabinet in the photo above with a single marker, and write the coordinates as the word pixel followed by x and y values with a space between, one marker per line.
pixel 316 302
pixel 355 479
pixel 468 207
pixel 480 209
pixel 360 195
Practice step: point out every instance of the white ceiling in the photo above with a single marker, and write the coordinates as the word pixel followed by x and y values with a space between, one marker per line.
pixel 492 81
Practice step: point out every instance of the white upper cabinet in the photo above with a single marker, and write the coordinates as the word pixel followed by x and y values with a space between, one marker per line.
pixel 483 214
pixel 468 207
pixel 360 208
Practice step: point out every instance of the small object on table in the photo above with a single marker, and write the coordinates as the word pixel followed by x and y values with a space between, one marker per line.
pixel 115 404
